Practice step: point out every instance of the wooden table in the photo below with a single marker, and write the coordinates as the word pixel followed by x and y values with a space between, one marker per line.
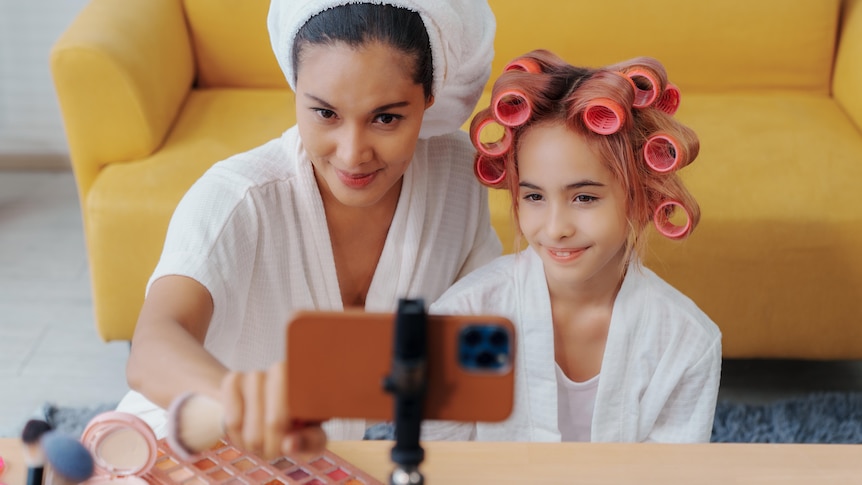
pixel 567 463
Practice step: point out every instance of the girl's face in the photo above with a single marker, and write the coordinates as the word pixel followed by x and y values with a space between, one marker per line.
pixel 359 113
pixel 571 209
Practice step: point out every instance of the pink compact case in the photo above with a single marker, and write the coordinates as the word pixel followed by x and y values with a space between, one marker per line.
pixel 123 446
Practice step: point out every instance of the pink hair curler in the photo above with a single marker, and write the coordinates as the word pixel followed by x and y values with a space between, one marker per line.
pixel 646 87
pixel 662 153
pixel 665 226
pixel 669 99
pixel 512 108
pixel 488 172
pixel 604 116
pixel 493 149
pixel 524 64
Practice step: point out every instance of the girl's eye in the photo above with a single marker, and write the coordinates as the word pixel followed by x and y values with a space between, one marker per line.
pixel 585 199
pixel 533 197
pixel 388 118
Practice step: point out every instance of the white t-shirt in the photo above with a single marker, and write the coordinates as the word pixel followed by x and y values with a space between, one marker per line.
pixel 575 403
pixel 252 230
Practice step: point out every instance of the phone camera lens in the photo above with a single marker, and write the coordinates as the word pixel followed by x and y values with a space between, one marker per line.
pixel 485 359
pixel 472 337
pixel 499 338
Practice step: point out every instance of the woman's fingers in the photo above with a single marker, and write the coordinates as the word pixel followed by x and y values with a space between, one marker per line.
pixel 309 438
pixel 276 421
pixel 257 418
pixel 254 418
pixel 232 399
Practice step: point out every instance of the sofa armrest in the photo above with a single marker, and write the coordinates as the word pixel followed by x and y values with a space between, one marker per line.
pixel 848 62
pixel 121 70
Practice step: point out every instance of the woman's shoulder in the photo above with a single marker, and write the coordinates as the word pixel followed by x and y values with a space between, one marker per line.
pixel 447 153
pixel 257 169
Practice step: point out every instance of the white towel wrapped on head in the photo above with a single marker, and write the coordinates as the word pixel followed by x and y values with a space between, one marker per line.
pixel 462 47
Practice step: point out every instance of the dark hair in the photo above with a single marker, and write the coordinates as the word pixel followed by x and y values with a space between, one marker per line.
pixel 357 24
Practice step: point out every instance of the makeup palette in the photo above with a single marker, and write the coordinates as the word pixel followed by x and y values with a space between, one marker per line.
pixel 125 450
pixel 226 465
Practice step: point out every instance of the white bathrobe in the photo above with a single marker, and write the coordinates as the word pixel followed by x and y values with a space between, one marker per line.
pixel 252 230
pixel 660 371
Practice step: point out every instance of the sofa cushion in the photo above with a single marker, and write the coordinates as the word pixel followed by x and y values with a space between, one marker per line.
pixel 231 44
pixel 778 186
pixel 706 46
pixel 130 204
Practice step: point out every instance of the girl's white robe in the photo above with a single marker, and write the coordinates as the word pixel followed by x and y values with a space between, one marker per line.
pixel 660 371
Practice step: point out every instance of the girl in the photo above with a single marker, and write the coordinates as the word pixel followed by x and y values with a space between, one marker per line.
pixel 607 350
pixel 361 203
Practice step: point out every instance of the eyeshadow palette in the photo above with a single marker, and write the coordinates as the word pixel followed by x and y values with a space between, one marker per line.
pixel 224 464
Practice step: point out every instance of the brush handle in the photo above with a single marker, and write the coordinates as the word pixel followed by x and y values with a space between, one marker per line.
pixel 35 475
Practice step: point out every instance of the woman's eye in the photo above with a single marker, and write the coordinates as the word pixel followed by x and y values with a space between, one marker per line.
pixel 533 197
pixel 387 118
pixel 585 198
pixel 325 113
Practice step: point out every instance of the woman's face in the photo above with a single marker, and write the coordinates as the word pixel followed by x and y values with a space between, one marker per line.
pixel 571 209
pixel 359 113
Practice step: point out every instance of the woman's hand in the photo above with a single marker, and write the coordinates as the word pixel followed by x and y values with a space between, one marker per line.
pixel 257 418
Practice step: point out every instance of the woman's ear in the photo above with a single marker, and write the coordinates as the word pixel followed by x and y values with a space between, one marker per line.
pixel 429 102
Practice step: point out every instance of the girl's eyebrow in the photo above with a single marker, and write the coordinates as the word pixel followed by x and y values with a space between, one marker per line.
pixel 380 109
pixel 576 185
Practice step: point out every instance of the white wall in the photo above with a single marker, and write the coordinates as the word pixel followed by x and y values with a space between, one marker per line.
pixel 30 120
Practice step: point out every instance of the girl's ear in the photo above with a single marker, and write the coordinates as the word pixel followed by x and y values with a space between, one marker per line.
pixel 429 102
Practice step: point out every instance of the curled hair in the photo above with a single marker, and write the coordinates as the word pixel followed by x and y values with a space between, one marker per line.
pixel 624 112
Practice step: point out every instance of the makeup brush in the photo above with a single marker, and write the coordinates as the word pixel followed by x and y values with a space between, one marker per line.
pixel 69 461
pixel 33 455
pixel 195 424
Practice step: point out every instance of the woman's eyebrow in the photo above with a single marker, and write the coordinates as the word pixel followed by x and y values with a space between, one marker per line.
pixel 387 107
pixel 380 109
pixel 319 101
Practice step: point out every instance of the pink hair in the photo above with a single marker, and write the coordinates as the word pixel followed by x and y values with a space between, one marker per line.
pixel 617 110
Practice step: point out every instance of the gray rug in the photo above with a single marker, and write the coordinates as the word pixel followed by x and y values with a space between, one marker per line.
pixel 823 417
pixel 826 417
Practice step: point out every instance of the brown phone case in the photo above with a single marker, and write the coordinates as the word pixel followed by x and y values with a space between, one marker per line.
pixel 337 362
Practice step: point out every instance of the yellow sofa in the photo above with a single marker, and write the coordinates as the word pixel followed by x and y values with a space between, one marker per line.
pixel 153 92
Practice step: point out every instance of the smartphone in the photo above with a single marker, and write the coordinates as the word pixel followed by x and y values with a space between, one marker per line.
pixel 337 363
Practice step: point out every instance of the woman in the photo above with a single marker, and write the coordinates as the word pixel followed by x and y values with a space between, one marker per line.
pixel 369 198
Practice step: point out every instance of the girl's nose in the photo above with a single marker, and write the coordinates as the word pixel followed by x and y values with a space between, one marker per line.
pixel 559 224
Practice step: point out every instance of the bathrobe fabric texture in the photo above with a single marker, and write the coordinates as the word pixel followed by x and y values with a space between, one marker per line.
pixel 660 371
pixel 252 230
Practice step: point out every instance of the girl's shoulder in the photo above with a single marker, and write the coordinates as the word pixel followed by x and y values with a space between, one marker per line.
pixel 490 287
pixel 660 303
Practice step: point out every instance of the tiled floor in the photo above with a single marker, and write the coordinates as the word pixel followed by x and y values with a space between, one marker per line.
pixel 49 350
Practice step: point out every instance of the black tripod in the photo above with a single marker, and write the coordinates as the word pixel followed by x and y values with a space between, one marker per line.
pixel 407 381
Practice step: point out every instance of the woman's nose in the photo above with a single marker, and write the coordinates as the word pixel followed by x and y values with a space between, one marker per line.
pixel 353 147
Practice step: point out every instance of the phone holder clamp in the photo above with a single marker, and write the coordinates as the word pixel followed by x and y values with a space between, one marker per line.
pixel 407 383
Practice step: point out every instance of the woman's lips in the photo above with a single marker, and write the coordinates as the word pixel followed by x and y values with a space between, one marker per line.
pixel 356 181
